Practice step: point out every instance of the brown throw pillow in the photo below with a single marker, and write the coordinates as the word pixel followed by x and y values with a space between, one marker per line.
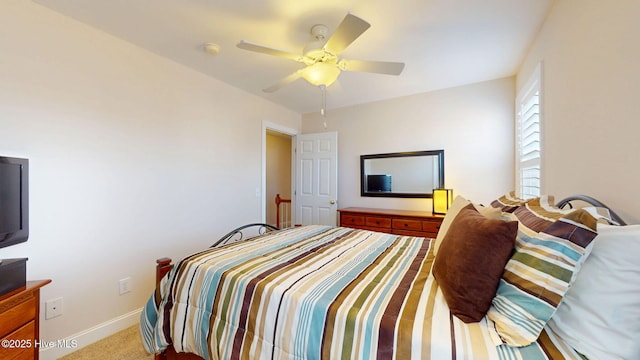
pixel 470 262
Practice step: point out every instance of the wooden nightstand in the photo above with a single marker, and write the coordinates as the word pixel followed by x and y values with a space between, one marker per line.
pixel 20 322
pixel 400 222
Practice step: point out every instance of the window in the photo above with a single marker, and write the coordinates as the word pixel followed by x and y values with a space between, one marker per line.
pixel 528 137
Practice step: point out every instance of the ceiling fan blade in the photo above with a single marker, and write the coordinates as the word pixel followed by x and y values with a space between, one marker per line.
pixel 380 67
pixel 284 81
pixel 245 45
pixel 349 29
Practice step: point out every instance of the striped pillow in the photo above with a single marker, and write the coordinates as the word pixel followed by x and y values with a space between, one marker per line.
pixel 535 279
pixel 508 202
pixel 539 213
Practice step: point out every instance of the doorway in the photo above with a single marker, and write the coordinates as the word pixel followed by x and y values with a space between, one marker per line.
pixel 316 200
pixel 277 169
pixel 278 173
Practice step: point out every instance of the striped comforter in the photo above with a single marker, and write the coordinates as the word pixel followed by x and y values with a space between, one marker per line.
pixel 317 292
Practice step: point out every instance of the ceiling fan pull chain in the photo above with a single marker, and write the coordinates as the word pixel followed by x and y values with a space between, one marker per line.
pixel 323 109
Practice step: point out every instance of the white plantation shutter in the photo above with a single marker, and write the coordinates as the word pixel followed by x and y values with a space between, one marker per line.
pixel 528 137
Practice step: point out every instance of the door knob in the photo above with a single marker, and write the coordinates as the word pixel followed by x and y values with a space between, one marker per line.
pixel 332 202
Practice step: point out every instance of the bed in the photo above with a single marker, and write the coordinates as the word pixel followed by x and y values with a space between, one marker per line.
pixel 315 292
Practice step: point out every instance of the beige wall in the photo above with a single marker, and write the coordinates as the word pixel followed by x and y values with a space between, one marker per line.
pixel 132 156
pixel 473 124
pixel 591 82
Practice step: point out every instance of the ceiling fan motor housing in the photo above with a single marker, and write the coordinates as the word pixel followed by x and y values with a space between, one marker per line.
pixel 319 31
pixel 314 49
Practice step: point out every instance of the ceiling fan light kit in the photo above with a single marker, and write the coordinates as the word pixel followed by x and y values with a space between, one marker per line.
pixel 321 57
pixel 321 73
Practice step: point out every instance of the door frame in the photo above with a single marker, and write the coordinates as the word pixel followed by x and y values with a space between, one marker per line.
pixel 267 125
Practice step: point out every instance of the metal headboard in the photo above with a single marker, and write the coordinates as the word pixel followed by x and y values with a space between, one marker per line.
pixel 588 199
pixel 262 228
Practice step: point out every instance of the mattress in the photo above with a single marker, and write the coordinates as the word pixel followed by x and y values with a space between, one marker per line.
pixel 319 292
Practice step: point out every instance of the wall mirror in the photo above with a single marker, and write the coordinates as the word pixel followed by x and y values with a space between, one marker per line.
pixel 406 174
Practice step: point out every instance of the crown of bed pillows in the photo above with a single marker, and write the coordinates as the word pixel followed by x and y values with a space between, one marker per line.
pixel 512 262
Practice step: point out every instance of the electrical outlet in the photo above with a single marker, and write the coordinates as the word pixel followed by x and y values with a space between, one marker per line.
pixel 53 308
pixel 125 285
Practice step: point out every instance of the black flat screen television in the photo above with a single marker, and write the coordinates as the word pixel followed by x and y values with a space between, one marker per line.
pixel 379 183
pixel 14 200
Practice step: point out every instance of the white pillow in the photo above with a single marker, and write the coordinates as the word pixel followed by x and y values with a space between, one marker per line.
pixel 600 314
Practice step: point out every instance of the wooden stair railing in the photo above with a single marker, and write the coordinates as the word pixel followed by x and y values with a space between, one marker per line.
pixel 283 212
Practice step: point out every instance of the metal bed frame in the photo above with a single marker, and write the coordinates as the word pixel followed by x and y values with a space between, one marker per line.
pixel 262 229
pixel 588 199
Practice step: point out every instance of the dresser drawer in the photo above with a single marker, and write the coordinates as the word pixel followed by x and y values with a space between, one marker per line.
pixel 17 316
pixel 407 224
pixel 431 226
pixel 351 220
pixel 378 222
pixel 20 344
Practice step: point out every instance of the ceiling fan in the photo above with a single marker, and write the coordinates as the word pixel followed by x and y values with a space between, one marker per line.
pixel 323 66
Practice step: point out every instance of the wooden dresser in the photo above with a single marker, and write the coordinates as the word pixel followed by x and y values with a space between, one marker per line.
pixel 20 322
pixel 400 222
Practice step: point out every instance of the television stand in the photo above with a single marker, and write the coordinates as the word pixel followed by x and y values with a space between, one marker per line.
pixel 13 274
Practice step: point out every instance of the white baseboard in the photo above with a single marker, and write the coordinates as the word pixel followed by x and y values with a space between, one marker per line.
pixel 91 335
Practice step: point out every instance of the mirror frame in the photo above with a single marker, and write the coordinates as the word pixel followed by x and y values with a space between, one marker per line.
pixel 363 182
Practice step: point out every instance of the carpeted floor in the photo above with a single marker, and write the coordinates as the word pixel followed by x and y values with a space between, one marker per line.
pixel 124 345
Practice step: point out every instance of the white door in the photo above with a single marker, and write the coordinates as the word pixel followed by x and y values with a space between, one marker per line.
pixel 316 178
